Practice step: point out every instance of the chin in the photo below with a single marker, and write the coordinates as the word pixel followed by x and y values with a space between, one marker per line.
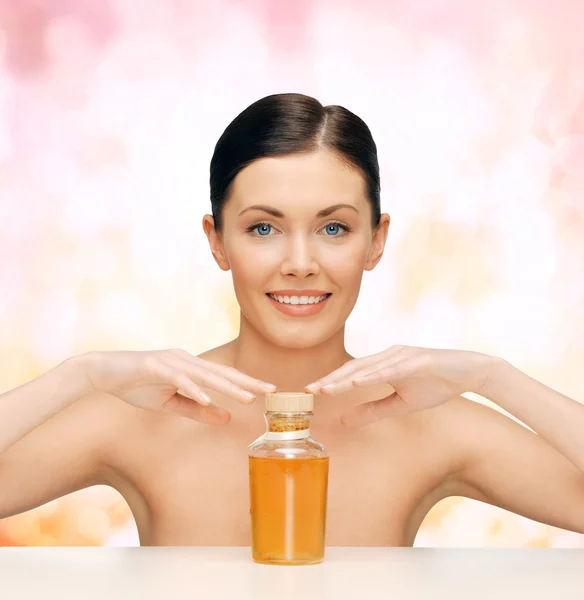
pixel 299 337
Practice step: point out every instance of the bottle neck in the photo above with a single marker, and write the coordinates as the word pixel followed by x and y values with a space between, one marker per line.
pixel 287 425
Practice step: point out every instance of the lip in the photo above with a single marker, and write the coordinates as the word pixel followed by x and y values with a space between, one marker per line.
pixel 298 292
pixel 299 310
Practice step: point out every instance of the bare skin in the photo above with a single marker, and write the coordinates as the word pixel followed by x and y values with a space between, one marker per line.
pixel 185 475
pixel 186 482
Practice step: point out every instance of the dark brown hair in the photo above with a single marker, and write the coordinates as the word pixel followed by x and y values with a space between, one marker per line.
pixel 283 124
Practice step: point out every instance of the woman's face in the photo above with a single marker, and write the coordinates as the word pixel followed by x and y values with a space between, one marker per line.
pixel 297 229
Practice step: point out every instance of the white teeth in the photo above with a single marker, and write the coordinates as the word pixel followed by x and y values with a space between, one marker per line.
pixel 298 299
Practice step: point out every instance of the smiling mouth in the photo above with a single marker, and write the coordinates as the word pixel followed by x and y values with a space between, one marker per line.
pixel 299 299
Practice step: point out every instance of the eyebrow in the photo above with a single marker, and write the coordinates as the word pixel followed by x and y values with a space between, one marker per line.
pixel 325 212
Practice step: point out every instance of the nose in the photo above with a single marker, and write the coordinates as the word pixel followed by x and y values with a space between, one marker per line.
pixel 299 259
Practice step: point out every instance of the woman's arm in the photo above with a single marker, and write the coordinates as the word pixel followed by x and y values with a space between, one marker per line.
pixel 70 451
pixel 503 463
pixel 54 436
pixel 28 406
pixel 496 460
pixel 555 417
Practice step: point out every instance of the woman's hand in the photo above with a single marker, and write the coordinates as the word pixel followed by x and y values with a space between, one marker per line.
pixel 421 377
pixel 168 381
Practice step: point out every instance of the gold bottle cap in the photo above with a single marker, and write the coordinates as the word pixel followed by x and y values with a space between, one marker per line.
pixel 289 402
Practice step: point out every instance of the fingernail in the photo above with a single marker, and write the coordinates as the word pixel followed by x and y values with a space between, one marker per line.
pixel 270 386
pixel 205 397
pixel 249 395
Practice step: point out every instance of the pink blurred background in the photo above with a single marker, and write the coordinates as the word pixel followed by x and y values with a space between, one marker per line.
pixel 108 118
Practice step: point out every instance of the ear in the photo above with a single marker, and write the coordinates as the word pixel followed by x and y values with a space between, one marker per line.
pixel 378 243
pixel 215 243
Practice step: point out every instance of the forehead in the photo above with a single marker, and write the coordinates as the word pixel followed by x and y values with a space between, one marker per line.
pixel 318 177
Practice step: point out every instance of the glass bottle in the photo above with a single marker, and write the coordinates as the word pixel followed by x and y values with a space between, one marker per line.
pixel 288 474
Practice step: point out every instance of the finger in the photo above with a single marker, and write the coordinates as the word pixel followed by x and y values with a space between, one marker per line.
pixel 401 368
pixel 348 382
pixel 385 375
pixel 206 378
pixel 185 407
pixel 348 368
pixel 361 364
pixel 179 379
pixel 369 412
pixel 256 386
pixel 244 381
pixel 388 370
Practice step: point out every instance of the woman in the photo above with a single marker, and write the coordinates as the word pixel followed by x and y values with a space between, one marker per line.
pixel 296 219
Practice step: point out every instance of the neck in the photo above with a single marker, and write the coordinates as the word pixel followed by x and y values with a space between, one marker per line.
pixel 290 369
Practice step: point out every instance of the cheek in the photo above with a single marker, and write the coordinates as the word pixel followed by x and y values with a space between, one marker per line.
pixel 243 272
pixel 251 264
pixel 345 263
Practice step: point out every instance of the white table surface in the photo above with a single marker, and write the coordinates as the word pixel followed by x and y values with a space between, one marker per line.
pixel 352 573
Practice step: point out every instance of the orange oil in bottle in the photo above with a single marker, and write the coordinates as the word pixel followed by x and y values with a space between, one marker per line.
pixel 288 508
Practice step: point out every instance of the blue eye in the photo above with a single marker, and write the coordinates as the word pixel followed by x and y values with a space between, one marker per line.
pixel 263 229
pixel 334 229
pixel 260 229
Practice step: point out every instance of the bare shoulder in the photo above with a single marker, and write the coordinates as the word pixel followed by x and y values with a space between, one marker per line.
pixel 100 420
pixel 461 418
pixel 460 425
pixel 115 432
pixel 93 418
pixel 70 451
